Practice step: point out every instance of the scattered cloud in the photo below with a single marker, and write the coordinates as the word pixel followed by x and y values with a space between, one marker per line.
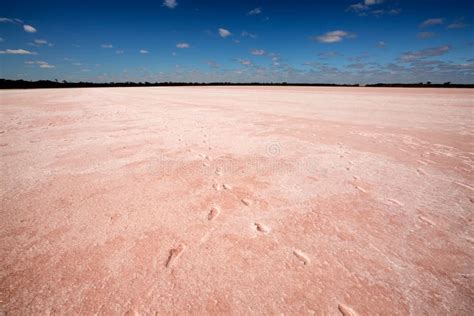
pixel 424 53
pixel 364 5
pixel 381 44
pixel 431 22
pixel 8 20
pixel 329 54
pixel 425 35
pixel 255 11
pixel 16 52
pixel 76 64
pixel 119 51
pixel 41 64
pixel 248 34
pixel 380 12
pixel 458 24
pixel 170 3
pixel 364 8
pixel 372 2
pixel 224 33
pixel 1 40
pixel 258 52
pixel 29 28
pixel 41 42
pixel 106 46
pixel 143 51
pixel 212 64
pixel 182 45
pixel 244 62
pixel 333 37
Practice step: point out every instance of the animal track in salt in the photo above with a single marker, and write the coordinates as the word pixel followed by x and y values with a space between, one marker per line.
pixel 219 171
pixel 213 213
pixel 301 256
pixel 467 186
pixel 262 228
pixel 420 172
pixel 216 186
pixel 174 254
pixel 226 186
pixel 346 310
pixel 360 189
pixel 246 202
pixel 395 202
pixel 426 220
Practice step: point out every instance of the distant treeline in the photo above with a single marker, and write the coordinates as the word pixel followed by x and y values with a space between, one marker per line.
pixel 23 84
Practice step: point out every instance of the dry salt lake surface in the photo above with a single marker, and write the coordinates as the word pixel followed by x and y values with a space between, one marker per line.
pixel 237 200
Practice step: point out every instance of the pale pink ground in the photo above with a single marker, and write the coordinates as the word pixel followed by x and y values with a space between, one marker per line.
pixel 241 200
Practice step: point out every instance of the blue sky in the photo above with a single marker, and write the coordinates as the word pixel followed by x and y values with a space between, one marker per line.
pixel 353 41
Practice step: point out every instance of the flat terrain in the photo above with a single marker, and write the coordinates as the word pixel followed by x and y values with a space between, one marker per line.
pixel 242 200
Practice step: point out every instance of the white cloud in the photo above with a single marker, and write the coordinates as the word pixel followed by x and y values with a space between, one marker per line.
pixel 213 64
pixel 8 20
pixel 425 35
pixel 143 51
pixel 458 24
pixel 258 52
pixel 362 6
pixel 170 3
pixel 224 33
pixel 46 65
pixel 77 64
pixel 40 42
pixel 16 52
pixel 381 44
pixel 119 51
pixel 41 64
pixel 182 45
pixel 425 53
pixel 334 36
pixel 431 22
pixel 247 34
pixel 1 39
pixel 372 2
pixel 106 46
pixel 245 62
pixel 255 11
pixel 29 28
